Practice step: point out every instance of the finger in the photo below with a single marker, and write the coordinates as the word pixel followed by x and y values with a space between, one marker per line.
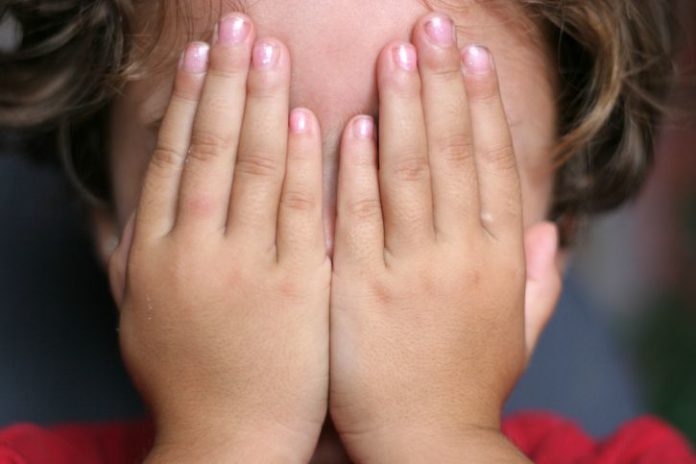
pixel 452 164
pixel 404 174
pixel 207 177
pixel 499 183
pixel 543 285
pixel 158 199
pixel 359 226
pixel 300 227
pixel 261 160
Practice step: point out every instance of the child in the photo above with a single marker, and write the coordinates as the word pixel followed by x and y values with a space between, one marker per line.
pixel 287 258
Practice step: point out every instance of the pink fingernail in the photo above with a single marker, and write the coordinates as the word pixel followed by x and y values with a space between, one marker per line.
pixel 299 121
pixel 265 55
pixel 364 127
pixel 233 29
pixel 441 30
pixel 477 59
pixel 405 56
pixel 195 58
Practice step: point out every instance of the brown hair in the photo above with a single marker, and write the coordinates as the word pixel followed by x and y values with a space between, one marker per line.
pixel 614 61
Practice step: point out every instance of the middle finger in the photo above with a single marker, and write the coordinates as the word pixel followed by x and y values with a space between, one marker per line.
pixel 404 174
pixel 452 162
pixel 207 178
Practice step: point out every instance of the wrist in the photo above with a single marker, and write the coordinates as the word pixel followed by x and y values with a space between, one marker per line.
pixel 252 451
pixel 226 445
pixel 472 445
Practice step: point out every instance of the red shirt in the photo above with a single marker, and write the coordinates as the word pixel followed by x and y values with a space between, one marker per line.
pixel 545 438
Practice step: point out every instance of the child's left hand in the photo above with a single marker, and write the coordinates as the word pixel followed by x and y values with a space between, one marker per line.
pixel 428 288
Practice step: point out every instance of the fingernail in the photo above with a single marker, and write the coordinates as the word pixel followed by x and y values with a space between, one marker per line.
pixel 233 29
pixel 477 59
pixel 299 121
pixel 440 30
pixel 405 56
pixel 364 127
pixel 265 55
pixel 195 58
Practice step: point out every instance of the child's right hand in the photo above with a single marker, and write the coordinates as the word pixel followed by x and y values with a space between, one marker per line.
pixel 223 288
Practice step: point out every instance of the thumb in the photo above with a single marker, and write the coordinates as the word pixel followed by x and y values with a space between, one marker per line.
pixel 119 261
pixel 543 286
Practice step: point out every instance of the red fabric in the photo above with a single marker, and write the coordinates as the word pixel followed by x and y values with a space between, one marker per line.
pixel 104 443
pixel 545 438
pixel 549 439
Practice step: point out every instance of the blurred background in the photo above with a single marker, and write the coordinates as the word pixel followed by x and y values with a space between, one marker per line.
pixel 622 343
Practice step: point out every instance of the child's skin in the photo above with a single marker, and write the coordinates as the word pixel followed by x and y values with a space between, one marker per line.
pixel 240 330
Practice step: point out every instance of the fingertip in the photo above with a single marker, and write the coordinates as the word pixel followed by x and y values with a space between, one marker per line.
pixel 397 70
pixel 480 76
pixel 363 128
pixel 477 59
pixel 270 71
pixel 232 29
pixel 304 135
pixel 195 58
pixel 192 69
pixel 358 145
pixel 302 122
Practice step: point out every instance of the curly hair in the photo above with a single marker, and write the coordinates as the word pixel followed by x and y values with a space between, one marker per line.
pixel 614 62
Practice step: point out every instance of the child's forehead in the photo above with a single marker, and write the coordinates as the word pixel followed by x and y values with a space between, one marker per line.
pixel 336 25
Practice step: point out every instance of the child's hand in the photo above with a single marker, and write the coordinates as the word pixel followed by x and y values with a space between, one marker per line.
pixel 224 318
pixel 428 287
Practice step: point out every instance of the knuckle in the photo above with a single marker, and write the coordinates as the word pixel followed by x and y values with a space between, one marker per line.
pixel 460 278
pixel 199 205
pixel 365 208
pixel 444 69
pixel 366 165
pixel 206 146
pixel 264 86
pixel 411 168
pixel 229 63
pixel 291 288
pixel 482 88
pixel 503 158
pixel 427 282
pixel 457 149
pixel 300 200
pixel 382 292
pixel 165 158
pixel 402 87
pixel 471 278
pixel 259 164
pixel 186 88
